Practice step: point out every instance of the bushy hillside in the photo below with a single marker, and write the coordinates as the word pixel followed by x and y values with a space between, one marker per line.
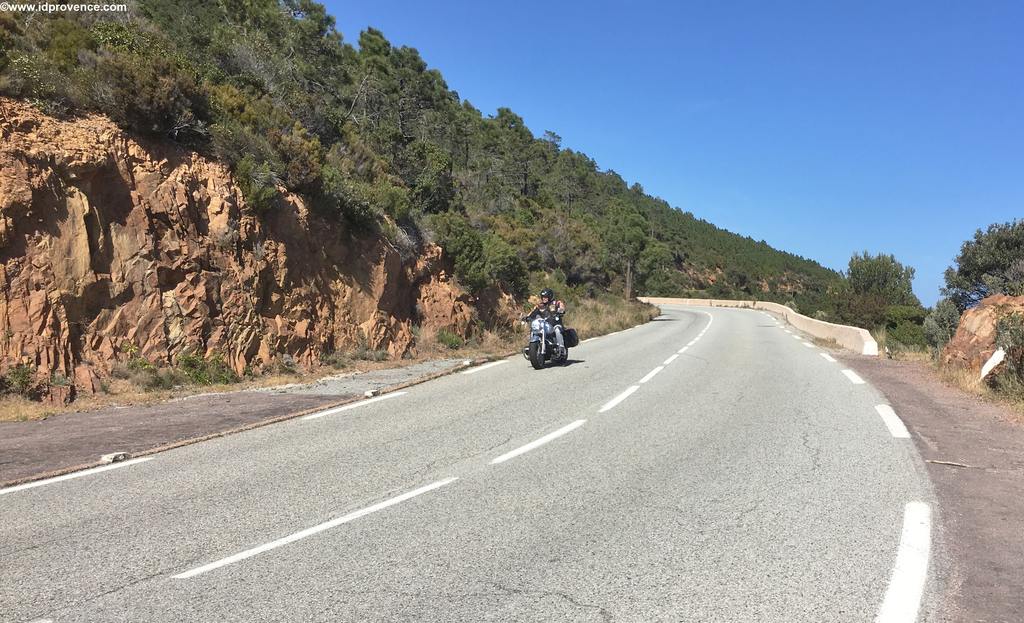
pixel 374 138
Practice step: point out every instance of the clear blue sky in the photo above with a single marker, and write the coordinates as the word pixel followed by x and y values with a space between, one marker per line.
pixel 824 128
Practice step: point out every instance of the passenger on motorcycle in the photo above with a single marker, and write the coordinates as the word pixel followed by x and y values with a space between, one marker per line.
pixel 551 310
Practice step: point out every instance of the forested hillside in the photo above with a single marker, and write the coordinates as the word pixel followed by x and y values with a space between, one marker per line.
pixel 375 139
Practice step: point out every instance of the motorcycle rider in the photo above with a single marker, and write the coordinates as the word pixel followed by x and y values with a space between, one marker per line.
pixel 551 310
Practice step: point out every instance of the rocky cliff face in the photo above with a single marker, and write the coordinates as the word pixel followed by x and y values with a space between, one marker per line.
pixel 113 248
pixel 975 338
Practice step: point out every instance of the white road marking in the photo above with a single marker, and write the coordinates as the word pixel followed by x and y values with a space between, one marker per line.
pixel 808 345
pixel 682 350
pixel 787 331
pixel 856 380
pixel 84 472
pixel 670 359
pixel 539 442
pixel 314 416
pixel 485 366
pixel 797 337
pixel 828 357
pixel 650 375
pixel 314 530
pixel 692 342
pixel 903 598
pixel 616 400
pixel 892 422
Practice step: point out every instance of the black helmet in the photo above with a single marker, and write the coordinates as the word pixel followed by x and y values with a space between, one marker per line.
pixel 548 294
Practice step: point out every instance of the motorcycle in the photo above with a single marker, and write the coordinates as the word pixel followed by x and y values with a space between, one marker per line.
pixel 543 347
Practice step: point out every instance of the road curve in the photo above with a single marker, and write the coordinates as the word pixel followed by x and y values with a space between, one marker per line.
pixel 711 465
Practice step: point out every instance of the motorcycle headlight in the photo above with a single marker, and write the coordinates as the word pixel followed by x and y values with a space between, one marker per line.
pixel 536 324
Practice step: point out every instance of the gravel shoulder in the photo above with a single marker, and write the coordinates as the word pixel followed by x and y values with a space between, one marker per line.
pixel 67 442
pixel 974 452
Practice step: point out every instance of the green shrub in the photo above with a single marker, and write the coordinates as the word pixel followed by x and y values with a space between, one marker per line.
pixel 465 246
pixel 908 334
pixel 449 339
pixel 209 371
pixel 369 354
pixel 286 364
pixel 503 265
pixel 335 360
pixel 941 323
pixel 66 41
pixel 20 380
pixel 428 172
pixel 148 94
pixel 258 184
pixel 31 77
pixel 1010 338
pixel 347 198
pixel 157 379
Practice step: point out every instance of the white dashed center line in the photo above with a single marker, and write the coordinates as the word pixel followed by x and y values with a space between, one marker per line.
pixel 611 404
pixel 539 442
pixel 650 375
pixel 828 357
pixel 314 530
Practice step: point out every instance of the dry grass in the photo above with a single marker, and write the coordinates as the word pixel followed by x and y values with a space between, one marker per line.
pixel 18 409
pixel 1010 394
pixel 828 343
pixel 594 317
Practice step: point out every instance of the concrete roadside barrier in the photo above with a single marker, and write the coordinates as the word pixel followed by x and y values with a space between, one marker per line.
pixel 851 338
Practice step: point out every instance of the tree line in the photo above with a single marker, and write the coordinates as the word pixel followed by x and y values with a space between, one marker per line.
pixel 378 143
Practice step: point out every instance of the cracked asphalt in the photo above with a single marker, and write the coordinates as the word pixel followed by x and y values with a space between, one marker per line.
pixel 747 481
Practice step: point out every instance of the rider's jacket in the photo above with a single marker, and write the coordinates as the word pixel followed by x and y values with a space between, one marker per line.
pixel 552 312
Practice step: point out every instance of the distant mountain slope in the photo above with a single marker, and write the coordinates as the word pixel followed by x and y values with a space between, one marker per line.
pixel 375 139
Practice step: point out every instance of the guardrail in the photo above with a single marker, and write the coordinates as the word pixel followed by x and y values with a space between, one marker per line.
pixel 851 338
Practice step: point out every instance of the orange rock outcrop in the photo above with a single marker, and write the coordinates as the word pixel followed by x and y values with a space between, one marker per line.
pixel 975 338
pixel 112 248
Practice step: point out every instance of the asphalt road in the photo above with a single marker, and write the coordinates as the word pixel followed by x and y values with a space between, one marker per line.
pixel 749 479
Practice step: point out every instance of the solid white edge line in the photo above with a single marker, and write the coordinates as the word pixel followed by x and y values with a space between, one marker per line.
pixel 906 586
pixel 485 366
pixel 84 472
pixel 314 416
pixel 682 350
pixel 828 357
pixel 670 359
pixel 650 375
pixel 856 380
pixel 291 538
pixel 692 342
pixel 538 442
pixel 611 404
pixel 892 422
